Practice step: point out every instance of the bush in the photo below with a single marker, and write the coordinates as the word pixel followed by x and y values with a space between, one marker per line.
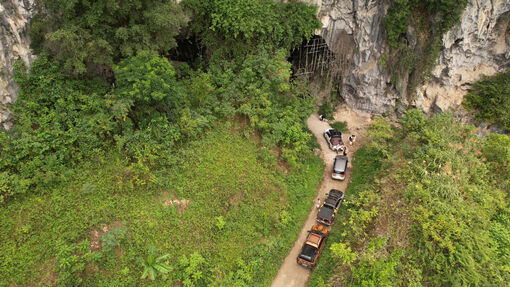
pixel 490 99
pixel 341 126
pixel 58 119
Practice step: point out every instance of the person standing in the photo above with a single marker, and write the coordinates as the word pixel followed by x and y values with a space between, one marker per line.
pixel 352 138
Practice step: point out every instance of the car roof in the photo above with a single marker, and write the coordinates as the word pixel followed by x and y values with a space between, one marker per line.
pixel 326 212
pixel 335 195
pixel 308 253
pixel 314 239
pixel 341 163
pixel 332 200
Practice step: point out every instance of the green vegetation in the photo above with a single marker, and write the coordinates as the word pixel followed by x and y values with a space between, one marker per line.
pixel 81 32
pixel 153 265
pixel 119 155
pixel 367 166
pixel 413 31
pixel 222 174
pixel 200 164
pixel 230 29
pixel 491 100
pixel 426 206
pixel 341 126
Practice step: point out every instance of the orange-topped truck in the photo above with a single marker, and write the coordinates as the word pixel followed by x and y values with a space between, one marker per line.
pixel 313 246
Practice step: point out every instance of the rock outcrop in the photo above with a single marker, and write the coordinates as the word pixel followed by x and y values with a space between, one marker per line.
pixel 354 31
pixel 478 46
pixel 15 18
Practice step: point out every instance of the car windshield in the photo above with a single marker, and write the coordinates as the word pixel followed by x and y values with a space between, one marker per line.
pixel 308 253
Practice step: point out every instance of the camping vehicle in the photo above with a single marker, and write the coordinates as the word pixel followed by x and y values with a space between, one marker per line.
pixel 340 167
pixel 334 139
pixel 329 208
pixel 313 246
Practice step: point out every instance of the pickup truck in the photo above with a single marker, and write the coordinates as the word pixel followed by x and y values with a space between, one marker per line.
pixel 334 139
pixel 313 246
pixel 329 208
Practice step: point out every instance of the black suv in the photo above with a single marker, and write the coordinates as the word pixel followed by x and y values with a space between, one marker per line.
pixel 329 208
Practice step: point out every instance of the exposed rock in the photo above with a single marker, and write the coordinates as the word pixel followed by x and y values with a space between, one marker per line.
pixel 15 18
pixel 478 46
pixel 354 31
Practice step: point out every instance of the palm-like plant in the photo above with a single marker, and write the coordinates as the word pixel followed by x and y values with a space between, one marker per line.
pixel 153 264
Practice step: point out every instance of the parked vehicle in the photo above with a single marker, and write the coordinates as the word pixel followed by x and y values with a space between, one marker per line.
pixel 329 208
pixel 340 167
pixel 334 139
pixel 313 246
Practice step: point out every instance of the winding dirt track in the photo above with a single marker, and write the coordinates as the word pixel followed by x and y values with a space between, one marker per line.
pixel 291 274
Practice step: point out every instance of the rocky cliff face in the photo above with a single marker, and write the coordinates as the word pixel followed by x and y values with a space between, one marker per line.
pixel 14 45
pixel 478 46
pixel 354 31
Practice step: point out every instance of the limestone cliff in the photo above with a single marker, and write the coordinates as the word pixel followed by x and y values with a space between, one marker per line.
pixel 478 46
pixel 14 45
pixel 354 31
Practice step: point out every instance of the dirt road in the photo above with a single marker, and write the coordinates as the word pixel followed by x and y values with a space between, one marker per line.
pixel 291 274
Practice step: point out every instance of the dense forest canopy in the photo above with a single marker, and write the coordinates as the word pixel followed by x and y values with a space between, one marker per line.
pixel 82 32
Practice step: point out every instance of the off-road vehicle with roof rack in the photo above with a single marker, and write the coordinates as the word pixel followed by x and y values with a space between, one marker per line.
pixel 334 139
pixel 329 208
pixel 313 246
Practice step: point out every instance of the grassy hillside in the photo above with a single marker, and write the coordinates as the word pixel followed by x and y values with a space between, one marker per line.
pixel 428 206
pixel 240 208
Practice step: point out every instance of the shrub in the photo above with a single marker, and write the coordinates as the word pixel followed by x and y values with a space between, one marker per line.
pixel 341 126
pixel 491 100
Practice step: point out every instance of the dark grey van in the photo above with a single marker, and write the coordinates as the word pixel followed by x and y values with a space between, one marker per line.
pixel 340 167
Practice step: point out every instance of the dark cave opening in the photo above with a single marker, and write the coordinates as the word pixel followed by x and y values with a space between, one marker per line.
pixel 188 50
pixel 313 59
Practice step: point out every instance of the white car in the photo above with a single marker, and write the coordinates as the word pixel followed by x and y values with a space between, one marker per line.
pixel 340 167
pixel 334 139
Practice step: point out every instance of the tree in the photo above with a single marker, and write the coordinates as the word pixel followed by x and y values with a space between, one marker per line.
pixel 80 32
pixel 146 89
pixel 231 28
pixel 491 100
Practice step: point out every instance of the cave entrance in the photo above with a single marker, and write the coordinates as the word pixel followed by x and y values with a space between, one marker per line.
pixel 313 60
pixel 188 50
